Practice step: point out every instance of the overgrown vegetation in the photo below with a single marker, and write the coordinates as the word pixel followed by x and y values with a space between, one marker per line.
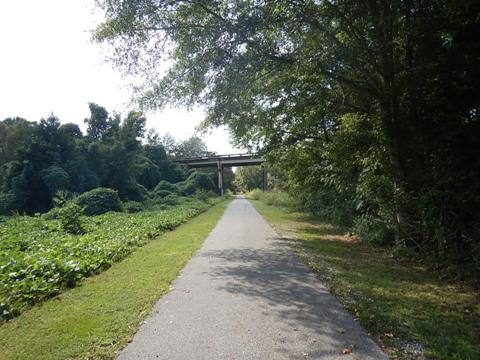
pixel 98 318
pixel 275 198
pixel 39 160
pixel 99 201
pixel 371 109
pixel 41 256
pixel 408 310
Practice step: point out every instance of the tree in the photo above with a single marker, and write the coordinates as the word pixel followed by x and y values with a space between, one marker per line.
pixel 192 147
pixel 99 123
pixel 71 131
pixel 393 81
pixel 40 159
pixel 13 131
pixel 249 177
pixel 55 178
pixel 169 143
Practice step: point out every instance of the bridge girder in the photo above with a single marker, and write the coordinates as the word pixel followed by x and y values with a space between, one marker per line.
pixel 225 160
pixel 222 161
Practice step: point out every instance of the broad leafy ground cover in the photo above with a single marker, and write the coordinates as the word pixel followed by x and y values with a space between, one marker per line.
pixel 406 309
pixel 38 259
pixel 97 318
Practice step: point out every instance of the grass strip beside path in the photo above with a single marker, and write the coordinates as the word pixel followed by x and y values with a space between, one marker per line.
pixel 408 311
pixel 96 319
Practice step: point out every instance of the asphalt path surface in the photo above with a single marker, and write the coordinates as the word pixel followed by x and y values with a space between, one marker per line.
pixel 245 295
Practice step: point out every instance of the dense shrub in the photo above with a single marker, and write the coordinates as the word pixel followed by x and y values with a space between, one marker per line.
pixel 172 200
pixel 61 197
pixel 70 216
pixel 55 178
pixel 135 192
pixel 254 194
pixel 201 195
pixel 132 206
pixel 53 214
pixel 280 198
pixel 186 188
pixel 161 193
pixel 328 205
pixel 165 185
pixel 99 201
pixel 276 198
pixel 196 181
pixel 372 230
pixel 201 181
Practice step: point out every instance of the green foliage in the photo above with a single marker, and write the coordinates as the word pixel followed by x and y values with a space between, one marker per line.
pixel 121 297
pixel 41 257
pixel 329 204
pixel 7 203
pixel 248 178
pixel 165 185
pixel 61 197
pixel 13 131
pixel 132 206
pixel 398 303
pixel 372 230
pixel 201 195
pixel 39 159
pixel 53 214
pixel 99 201
pixel 192 147
pixel 99 124
pixel 275 198
pixel 55 178
pixel 172 200
pixel 185 188
pixel 162 193
pixel 197 181
pixel 70 216
pixel 369 110
pixel 255 194
pixel 135 191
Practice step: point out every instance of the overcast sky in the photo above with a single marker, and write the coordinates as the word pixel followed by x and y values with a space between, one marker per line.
pixel 48 64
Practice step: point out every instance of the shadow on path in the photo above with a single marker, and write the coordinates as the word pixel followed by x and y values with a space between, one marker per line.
pixel 291 293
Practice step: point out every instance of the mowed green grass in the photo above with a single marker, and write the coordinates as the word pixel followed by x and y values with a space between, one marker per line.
pixel 400 305
pixel 97 318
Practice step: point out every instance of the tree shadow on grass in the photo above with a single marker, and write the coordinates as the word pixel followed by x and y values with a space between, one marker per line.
pixel 391 295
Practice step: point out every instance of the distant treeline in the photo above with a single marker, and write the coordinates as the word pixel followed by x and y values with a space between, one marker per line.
pixel 38 159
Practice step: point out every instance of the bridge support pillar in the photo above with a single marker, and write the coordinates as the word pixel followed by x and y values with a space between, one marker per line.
pixel 264 178
pixel 220 177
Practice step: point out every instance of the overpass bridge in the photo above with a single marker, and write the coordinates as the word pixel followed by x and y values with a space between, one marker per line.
pixel 222 161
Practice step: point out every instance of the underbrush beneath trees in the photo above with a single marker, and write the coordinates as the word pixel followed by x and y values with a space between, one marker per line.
pixel 372 230
pixel 40 258
pixel 275 198
pixel 408 310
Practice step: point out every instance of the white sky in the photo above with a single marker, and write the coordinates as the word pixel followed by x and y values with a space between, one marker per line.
pixel 48 64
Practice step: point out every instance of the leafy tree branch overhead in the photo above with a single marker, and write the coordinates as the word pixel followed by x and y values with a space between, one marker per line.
pixel 371 107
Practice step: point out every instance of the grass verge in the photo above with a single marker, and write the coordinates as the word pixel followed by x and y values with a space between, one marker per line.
pixel 96 319
pixel 408 311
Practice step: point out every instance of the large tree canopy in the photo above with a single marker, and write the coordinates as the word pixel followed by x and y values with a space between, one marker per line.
pixel 372 104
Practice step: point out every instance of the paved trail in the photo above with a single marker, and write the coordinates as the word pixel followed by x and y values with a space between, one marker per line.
pixel 245 295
